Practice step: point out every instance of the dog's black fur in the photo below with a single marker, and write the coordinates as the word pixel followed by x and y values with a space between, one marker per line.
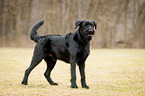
pixel 73 48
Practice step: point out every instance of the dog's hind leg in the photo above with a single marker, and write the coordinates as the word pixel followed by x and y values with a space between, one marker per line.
pixel 34 63
pixel 37 58
pixel 50 65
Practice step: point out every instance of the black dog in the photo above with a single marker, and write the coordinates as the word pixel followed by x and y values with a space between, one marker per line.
pixel 72 48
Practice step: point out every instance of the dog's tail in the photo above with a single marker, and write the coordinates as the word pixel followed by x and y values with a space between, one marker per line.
pixel 34 29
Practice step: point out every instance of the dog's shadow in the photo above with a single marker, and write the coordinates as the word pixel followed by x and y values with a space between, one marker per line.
pixel 36 86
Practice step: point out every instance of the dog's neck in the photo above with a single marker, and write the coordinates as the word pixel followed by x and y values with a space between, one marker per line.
pixel 81 39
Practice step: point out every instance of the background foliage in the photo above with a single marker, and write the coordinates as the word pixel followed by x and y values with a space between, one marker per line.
pixel 120 22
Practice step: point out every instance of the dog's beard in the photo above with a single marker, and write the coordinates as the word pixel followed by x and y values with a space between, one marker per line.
pixel 89 38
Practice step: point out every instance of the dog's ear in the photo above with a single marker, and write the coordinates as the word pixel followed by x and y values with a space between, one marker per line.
pixel 78 23
pixel 95 24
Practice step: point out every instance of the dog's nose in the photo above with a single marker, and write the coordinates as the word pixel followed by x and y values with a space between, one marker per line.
pixel 91 31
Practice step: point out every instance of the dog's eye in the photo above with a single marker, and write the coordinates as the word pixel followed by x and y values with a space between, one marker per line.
pixel 87 24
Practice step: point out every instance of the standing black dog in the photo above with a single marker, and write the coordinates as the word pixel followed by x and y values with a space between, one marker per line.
pixel 73 48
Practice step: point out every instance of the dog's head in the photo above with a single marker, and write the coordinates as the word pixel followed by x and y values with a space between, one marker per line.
pixel 86 28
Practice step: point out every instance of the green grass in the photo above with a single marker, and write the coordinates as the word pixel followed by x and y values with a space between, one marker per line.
pixel 109 72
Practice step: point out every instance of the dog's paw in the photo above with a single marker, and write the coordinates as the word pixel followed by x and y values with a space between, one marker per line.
pixel 74 86
pixel 54 84
pixel 87 87
pixel 24 83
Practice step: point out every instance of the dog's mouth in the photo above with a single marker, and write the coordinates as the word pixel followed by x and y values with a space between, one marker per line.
pixel 90 34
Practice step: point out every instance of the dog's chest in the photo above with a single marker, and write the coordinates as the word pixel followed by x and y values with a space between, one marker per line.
pixel 83 54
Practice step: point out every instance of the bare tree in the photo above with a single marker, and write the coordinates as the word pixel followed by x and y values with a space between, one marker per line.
pixel 119 22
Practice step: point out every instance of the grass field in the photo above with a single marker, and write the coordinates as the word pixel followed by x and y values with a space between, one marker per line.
pixel 109 72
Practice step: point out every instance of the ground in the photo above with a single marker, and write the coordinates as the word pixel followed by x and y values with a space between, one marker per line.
pixel 109 72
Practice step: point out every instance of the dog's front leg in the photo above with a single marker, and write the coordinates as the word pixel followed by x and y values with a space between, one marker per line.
pixel 73 74
pixel 82 73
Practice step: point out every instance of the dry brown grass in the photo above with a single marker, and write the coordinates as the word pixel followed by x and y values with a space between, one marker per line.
pixel 109 72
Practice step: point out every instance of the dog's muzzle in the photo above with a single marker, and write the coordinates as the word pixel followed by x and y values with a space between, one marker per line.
pixel 90 33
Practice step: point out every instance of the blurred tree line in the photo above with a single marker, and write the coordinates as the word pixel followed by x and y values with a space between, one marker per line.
pixel 121 23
